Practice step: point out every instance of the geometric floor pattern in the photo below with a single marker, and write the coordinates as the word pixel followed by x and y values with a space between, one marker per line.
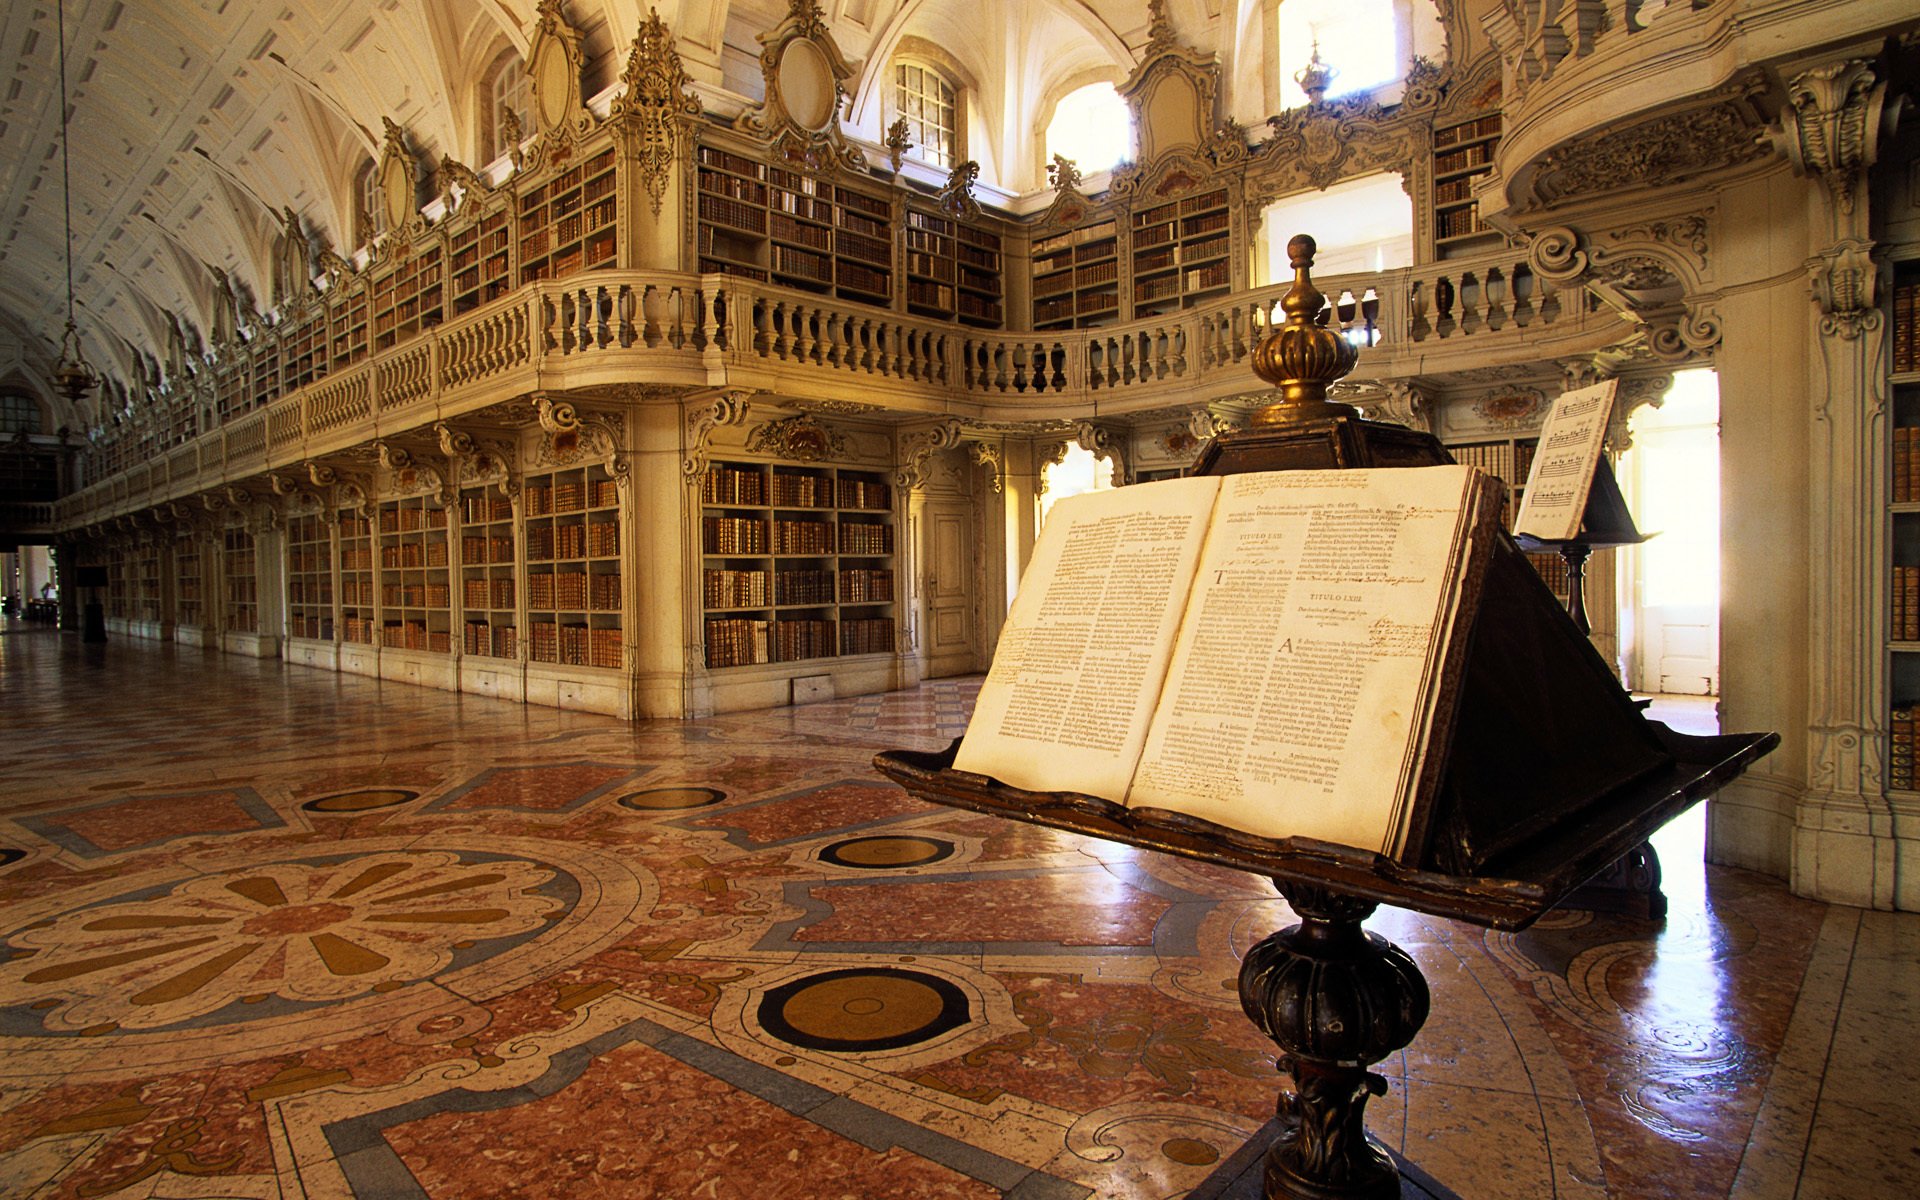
pixel 274 932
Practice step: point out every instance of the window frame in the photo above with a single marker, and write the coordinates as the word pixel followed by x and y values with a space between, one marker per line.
pixel 506 75
pixel 956 103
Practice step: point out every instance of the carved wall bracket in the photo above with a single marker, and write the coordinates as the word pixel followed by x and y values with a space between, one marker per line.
pixel 1830 127
pixel 993 460
pixel 917 446
pixel 1843 283
pixel 730 408
pixel 803 438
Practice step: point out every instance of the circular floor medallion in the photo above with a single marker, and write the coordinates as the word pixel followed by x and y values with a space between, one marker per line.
pixel 886 853
pixel 667 799
pixel 361 800
pixel 863 1009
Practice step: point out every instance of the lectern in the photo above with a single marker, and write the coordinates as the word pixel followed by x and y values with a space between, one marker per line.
pixel 1551 773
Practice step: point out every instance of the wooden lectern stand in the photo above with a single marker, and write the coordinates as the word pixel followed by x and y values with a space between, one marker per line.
pixel 1552 774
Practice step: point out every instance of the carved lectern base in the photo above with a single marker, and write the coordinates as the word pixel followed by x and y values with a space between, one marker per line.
pixel 1337 441
pixel 1335 999
pixel 1241 1176
pixel 1630 887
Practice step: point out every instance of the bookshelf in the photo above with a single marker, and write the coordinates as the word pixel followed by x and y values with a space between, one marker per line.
pixel 242 588
pixel 1511 459
pixel 146 584
pixel 189 606
pixel 303 348
pixel 415 595
pixel 797 563
pixel 1181 252
pixel 774 225
pixel 953 270
pixel 347 322
pixel 409 296
pixel 309 578
pixel 570 223
pixel 488 598
pixel 1076 277
pixel 477 257
pixel 1903 624
pixel 357 611
pixel 119 593
pixel 573 568
pixel 1461 153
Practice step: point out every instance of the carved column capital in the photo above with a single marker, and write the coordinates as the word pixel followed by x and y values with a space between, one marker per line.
pixel 729 408
pixel 1831 125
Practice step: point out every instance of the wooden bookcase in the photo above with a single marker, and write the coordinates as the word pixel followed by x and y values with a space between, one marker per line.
pixel 953 270
pixel 303 348
pixel 774 225
pixel 571 222
pixel 489 599
pixel 309 578
pixel 408 296
pixel 347 321
pixel 415 595
pixel 146 584
pixel 1511 459
pixel 797 563
pixel 1903 624
pixel 477 256
pixel 1076 277
pixel 1461 153
pixel 243 590
pixel 573 568
pixel 189 604
pixel 357 610
pixel 1181 252
pixel 119 604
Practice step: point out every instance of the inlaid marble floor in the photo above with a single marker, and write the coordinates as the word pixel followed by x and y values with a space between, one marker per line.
pixel 272 932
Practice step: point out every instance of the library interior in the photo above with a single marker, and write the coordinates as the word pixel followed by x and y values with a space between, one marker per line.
pixel 481 481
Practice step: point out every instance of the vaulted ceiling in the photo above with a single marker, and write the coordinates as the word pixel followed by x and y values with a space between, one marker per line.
pixel 195 124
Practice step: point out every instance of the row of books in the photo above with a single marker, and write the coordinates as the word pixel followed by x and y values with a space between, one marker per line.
pixel 490 641
pixel 730 485
pixel 414 554
pixel 1906 325
pixel 415 595
pixel 802 537
pixel 476 509
pixel 574 645
pixel 488 593
pixel 301 560
pixel 571 495
pixel 601 539
pixel 573 591
pixel 733 535
pixel 410 518
pixel 316 628
pixel 803 587
pixel 412 635
pixel 478 551
pixel 1458 222
pixel 1465 158
pixel 1453 135
pixel 309 592
pixel 357 592
pixel 736 642
pixel 722 588
pixel 1906 464
pixel 1904 623
pixel 866 635
pixel 357 629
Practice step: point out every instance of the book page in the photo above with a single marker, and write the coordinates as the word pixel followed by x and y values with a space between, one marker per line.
pixel 1299 693
pixel 1564 462
pixel 1084 650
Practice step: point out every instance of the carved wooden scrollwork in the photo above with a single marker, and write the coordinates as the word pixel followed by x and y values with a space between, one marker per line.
pixel 919 446
pixel 554 63
pixel 730 408
pixel 655 106
pixel 806 77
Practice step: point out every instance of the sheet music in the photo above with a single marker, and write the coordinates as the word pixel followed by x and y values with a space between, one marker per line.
pixel 1564 463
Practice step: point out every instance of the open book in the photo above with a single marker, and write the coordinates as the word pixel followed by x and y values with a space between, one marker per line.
pixel 1564 463
pixel 1271 652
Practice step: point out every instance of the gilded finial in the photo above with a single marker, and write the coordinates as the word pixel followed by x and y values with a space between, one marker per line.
pixel 1301 357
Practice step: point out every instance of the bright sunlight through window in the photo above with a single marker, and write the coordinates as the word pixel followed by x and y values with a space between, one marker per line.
pixel 1093 127
pixel 1079 472
pixel 1357 38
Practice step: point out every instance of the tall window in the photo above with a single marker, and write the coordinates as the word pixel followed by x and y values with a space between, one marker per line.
pixel 928 102
pixel 507 90
pixel 18 413
pixel 1361 40
pixel 370 208
pixel 1092 126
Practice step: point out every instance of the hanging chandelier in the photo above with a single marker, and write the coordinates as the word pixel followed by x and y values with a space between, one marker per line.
pixel 72 376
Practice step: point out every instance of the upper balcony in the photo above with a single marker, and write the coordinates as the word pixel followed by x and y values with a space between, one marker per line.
pixel 651 336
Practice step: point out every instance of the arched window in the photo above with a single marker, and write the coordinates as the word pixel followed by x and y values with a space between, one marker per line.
pixel 19 413
pixel 1364 42
pixel 369 206
pixel 931 105
pixel 1093 127
pixel 504 89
